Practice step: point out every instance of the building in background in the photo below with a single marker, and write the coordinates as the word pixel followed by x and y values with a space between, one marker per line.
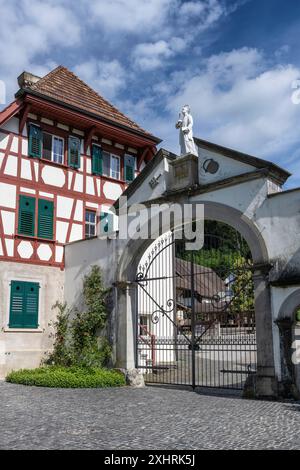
pixel 66 155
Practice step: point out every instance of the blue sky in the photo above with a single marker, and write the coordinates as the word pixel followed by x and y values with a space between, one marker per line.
pixel 233 61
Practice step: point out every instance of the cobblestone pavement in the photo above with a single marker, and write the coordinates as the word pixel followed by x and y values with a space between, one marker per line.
pixel 149 418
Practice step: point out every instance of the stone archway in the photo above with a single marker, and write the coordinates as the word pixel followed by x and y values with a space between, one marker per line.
pixel 266 381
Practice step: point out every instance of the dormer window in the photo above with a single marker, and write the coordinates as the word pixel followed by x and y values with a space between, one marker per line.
pixel 53 148
pixel 115 167
pixel 111 165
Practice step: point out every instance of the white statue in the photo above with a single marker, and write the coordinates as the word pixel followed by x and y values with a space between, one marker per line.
pixel 185 124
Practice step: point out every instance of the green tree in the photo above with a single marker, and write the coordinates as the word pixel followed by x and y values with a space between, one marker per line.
pixel 242 287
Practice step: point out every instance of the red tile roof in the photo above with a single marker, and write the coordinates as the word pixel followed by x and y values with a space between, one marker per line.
pixel 63 85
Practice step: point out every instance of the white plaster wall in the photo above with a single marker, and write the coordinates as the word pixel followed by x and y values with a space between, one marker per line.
pixel 11 167
pixel 64 207
pixel 279 218
pixel 8 195
pixel 25 349
pixel 112 190
pixel 79 258
pixel 53 176
pixel 228 166
pixel 26 169
pixel 145 192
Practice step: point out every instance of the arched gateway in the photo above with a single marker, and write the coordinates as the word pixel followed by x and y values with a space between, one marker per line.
pixel 195 318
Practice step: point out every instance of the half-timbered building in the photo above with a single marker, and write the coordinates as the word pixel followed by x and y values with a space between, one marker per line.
pixel 66 155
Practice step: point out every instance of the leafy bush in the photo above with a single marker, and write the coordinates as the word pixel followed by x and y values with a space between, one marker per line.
pixel 61 354
pixel 67 377
pixel 77 341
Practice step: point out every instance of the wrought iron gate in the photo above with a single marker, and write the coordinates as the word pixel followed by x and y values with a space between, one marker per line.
pixel 195 315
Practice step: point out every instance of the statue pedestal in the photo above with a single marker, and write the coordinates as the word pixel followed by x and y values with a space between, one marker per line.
pixel 183 173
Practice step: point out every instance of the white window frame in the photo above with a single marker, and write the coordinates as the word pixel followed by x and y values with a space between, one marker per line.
pixel 63 148
pixel 54 136
pixel 111 170
pixel 89 223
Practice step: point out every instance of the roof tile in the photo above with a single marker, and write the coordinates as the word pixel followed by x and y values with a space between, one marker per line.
pixel 63 85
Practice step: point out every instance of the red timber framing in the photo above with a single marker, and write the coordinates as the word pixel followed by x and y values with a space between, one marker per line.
pixel 91 130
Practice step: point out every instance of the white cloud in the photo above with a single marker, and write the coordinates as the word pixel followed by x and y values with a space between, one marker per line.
pixel 205 12
pixel 238 101
pixel 192 8
pixel 106 77
pixel 149 56
pixel 181 27
pixel 30 28
pixel 130 16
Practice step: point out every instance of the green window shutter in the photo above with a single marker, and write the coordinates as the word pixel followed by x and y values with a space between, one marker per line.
pixel 24 304
pixel 106 222
pixel 45 219
pixel 97 160
pixel 17 304
pixel 129 167
pixel 26 215
pixel 35 141
pixel 30 319
pixel 74 152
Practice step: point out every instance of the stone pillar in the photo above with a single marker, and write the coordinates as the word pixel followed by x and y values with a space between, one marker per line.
pixel 126 298
pixel 266 380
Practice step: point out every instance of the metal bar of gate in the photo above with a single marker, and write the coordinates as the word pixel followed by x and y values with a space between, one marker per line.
pixel 193 321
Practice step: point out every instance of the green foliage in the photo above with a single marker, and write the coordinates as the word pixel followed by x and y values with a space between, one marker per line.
pixel 220 261
pixel 71 377
pixel 298 315
pixel 77 334
pixel 243 287
pixel 61 352
pixel 225 252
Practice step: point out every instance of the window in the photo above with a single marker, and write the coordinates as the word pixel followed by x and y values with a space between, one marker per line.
pixel 27 211
pixel 129 168
pixel 115 167
pixel 53 148
pixel 24 304
pixel 90 224
pixel 74 152
pixel 110 165
pixel 143 325
pixel 106 163
pixel 47 146
pixel 34 141
pixel 57 149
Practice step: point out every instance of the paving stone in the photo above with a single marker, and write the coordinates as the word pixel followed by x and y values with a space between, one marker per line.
pixel 142 418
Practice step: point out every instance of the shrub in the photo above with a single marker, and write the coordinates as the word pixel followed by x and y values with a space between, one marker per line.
pixel 67 377
pixel 77 341
pixel 61 354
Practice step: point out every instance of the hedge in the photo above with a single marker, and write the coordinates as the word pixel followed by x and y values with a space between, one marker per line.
pixel 64 377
